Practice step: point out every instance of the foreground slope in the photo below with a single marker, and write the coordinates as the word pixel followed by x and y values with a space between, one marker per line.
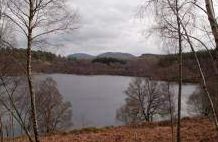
pixel 193 130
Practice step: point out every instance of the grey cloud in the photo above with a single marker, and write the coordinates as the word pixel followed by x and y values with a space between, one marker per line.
pixel 107 25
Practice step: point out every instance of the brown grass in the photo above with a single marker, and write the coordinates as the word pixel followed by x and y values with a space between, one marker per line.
pixel 193 130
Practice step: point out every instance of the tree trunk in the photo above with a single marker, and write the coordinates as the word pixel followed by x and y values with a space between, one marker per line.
pixel 1 130
pixel 202 76
pixel 214 26
pixel 180 74
pixel 32 92
pixel 170 109
pixel 29 74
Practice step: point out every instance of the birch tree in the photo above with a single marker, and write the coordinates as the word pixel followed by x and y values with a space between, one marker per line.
pixel 36 19
pixel 185 20
pixel 213 23
pixel 169 27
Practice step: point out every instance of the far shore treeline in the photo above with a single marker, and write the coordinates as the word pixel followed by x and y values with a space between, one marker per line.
pixel 158 67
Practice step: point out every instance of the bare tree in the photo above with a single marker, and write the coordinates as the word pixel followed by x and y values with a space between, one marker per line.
pixel 7 88
pixel 204 84
pixel 53 113
pixel 213 22
pixel 168 25
pixel 213 25
pixel 8 101
pixel 35 19
pixel 180 70
pixel 171 106
pixel 198 103
pixel 145 99
pixel 6 27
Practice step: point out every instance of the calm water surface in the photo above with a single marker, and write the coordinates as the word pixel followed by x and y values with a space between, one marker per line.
pixel 95 99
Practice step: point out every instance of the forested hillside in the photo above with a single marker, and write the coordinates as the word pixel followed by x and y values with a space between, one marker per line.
pixel 160 67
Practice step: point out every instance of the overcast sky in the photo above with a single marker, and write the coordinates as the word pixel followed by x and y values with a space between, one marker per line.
pixel 108 26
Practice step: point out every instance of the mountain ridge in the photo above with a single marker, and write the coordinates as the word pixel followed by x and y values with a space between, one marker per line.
pixel 118 55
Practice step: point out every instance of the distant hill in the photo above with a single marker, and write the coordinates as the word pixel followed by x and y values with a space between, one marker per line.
pixel 116 55
pixel 81 56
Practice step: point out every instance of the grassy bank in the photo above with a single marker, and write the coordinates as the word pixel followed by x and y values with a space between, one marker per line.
pixel 193 130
